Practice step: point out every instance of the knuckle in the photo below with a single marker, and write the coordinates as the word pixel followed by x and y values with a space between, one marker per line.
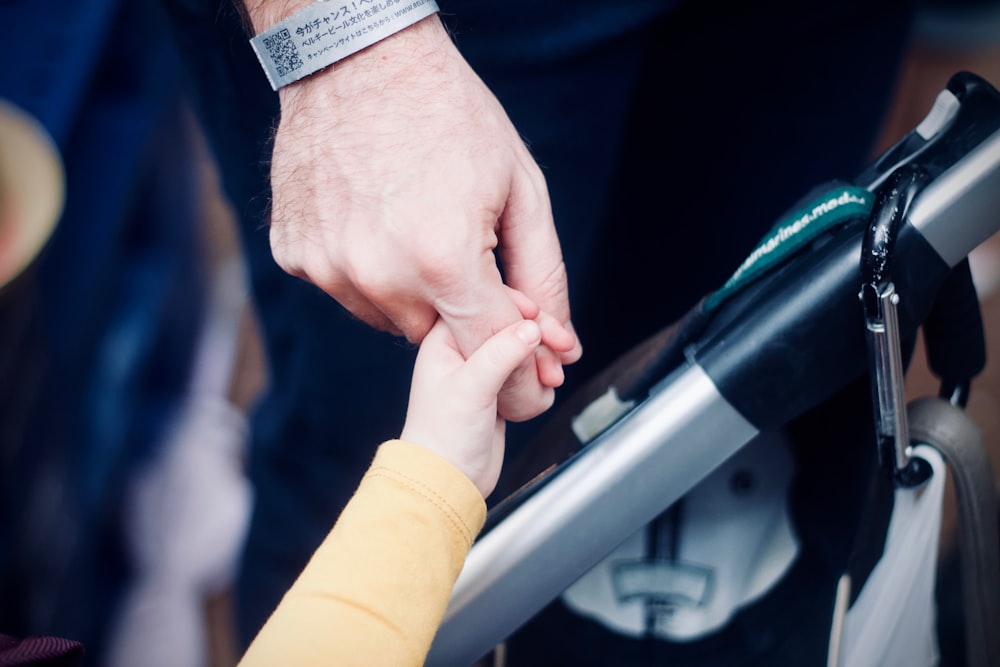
pixel 417 323
pixel 370 277
pixel 362 273
pixel 325 274
pixel 435 263
pixel 308 263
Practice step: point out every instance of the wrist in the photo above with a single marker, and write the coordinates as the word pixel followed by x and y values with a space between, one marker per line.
pixel 315 36
pixel 399 57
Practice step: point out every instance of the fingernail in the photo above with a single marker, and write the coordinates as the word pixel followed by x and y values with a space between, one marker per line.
pixel 528 331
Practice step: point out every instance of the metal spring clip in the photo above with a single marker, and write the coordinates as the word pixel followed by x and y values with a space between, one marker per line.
pixel 881 306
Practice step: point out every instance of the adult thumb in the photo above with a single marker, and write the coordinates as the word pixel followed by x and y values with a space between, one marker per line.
pixel 529 246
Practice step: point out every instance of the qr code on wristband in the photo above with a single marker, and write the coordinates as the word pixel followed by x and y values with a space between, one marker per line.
pixel 282 52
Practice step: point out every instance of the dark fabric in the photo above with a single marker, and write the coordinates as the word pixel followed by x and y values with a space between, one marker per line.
pixel 953 333
pixel 39 651
pixel 670 138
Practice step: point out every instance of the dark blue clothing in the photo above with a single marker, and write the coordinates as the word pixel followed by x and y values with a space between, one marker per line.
pixel 670 137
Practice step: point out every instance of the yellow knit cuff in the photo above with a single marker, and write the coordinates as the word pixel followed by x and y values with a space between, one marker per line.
pixel 434 478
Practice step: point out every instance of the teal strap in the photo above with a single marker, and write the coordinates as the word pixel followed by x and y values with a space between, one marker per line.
pixel 793 232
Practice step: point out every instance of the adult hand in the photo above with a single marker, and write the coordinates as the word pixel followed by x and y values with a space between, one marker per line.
pixel 453 401
pixel 396 174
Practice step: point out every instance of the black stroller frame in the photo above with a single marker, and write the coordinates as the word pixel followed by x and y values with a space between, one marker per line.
pixel 751 368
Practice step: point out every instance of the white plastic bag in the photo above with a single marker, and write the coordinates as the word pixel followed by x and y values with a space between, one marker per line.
pixel 893 621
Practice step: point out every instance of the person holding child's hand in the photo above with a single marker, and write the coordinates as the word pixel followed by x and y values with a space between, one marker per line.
pixel 376 589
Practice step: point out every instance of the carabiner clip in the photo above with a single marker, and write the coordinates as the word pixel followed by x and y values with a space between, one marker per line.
pixel 881 305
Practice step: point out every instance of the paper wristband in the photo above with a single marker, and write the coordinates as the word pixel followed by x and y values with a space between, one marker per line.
pixel 330 30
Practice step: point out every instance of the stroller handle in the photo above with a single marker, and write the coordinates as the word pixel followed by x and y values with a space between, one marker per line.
pixel 622 481
pixel 957 213
pixel 745 375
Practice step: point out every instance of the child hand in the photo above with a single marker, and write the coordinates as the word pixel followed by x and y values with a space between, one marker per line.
pixel 559 345
pixel 453 401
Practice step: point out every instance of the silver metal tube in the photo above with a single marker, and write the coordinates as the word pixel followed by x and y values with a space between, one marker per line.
pixel 623 480
pixel 840 605
pixel 961 208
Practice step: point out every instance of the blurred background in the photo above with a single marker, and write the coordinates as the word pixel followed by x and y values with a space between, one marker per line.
pixel 129 356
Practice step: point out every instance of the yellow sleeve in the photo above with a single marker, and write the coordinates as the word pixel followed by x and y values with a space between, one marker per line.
pixel 374 592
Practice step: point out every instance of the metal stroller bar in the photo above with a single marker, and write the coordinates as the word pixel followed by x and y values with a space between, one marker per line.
pixel 969 195
pixel 749 372
pixel 624 479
